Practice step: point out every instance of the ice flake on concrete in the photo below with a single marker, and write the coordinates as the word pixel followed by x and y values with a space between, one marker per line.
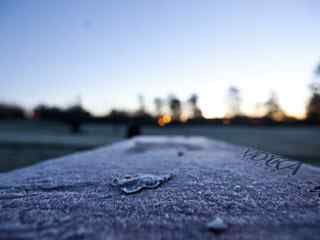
pixel 132 184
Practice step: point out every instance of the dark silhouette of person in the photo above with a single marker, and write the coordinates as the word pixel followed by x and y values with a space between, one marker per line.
pixel 133 130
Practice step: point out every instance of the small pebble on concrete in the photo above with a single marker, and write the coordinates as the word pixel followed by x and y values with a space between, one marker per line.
pixel 217 225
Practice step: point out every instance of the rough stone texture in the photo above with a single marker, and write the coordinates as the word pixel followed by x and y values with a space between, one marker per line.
pixel 258 195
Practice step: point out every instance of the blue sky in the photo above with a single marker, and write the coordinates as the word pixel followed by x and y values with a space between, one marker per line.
pixel 108 52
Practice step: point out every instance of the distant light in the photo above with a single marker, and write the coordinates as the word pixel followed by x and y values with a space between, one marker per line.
pixel 35 115
pixel 164 120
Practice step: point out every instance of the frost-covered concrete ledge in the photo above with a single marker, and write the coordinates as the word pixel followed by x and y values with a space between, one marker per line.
pixel 243 193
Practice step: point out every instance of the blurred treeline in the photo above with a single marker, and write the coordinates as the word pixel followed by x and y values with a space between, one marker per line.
pixel 175 112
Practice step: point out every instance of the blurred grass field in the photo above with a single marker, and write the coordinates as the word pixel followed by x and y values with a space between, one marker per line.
pixel 23 143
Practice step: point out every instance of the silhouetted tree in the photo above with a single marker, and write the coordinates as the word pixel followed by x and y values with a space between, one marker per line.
pixel 43 112
pixel 317 70
pixel 74 118
pixel 313 107
pixel 273 109
pixel 175 107
pixel 158 103
pixel 142 107
pixel 234 102
pixel 11 111
pixel 196 111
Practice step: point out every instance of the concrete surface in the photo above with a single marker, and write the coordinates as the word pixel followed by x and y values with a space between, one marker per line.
pixel 256 195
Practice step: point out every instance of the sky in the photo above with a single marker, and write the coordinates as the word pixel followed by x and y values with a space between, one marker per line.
pixel 108 52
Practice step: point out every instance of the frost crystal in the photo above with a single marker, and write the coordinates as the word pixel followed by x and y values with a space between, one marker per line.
pixel 133 184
